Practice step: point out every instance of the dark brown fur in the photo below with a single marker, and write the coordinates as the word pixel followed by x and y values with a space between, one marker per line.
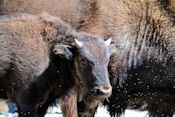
pixel 26 45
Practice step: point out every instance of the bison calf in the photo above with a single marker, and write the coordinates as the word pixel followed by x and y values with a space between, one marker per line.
pixel 41 58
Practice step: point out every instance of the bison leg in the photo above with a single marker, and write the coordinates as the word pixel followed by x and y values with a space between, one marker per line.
pixel 69 104
pixel 27 106
pixel 42 109
pixel 86 107
pixel 27 111
pixel 84 110
pixel 31 98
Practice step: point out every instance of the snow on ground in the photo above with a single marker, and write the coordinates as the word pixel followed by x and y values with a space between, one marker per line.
pixel 101 112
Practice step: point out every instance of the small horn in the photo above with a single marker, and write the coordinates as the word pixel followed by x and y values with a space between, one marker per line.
pixel 108 42
pixel 78 44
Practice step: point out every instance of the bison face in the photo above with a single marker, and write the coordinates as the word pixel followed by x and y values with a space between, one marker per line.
pixel 90 58
pixel 91 66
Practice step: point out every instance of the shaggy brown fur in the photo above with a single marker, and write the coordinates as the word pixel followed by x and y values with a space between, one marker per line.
pixel 26 44
pixel 142 70
pixel 79 13
pixel 143 30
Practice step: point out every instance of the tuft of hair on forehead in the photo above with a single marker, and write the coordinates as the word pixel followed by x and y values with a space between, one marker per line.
pixel 94 45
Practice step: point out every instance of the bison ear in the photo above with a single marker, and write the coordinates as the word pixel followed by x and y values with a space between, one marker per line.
pixel 63 51
pixel 112 49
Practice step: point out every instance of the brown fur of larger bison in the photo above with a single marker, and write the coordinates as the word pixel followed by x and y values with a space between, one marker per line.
pixel 78 13
pixel 142 71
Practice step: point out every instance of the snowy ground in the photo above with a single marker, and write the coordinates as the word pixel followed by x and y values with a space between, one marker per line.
pixel 101 112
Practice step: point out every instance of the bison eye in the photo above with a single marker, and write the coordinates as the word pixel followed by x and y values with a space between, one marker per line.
pixel 83 61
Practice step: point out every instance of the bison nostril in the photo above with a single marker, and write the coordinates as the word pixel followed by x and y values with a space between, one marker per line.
pixel 106 89
pixel 101 91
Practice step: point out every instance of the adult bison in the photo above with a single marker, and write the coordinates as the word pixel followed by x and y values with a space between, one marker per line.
pixel 39 62
pixel 143 71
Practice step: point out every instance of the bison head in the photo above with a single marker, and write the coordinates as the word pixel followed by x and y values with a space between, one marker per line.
pixel 90 57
